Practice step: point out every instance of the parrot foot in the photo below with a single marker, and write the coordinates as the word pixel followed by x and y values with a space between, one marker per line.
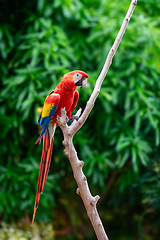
pixel 71 119
pixel 74 117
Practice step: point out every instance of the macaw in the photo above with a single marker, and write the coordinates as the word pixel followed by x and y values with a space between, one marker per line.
pixel 64 95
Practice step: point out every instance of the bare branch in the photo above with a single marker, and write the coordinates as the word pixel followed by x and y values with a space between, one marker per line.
pixel 89 201
pixel 104 71
pixel 83 189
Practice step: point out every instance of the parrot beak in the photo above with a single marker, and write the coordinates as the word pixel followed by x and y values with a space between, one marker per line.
pixel 82 82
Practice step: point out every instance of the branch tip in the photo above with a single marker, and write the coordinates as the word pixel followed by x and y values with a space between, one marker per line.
pixel 81 164
pixel 84 178
pixel 78 192
pixel 78 113
pixel 95 200
pixel 97 197
pixel 63 110
pixel 65 143
pixel 66 152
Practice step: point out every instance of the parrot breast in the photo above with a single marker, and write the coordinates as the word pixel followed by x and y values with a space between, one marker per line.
pixel 66 101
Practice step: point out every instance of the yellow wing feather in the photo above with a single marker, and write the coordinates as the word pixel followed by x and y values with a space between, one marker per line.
pixel 47 109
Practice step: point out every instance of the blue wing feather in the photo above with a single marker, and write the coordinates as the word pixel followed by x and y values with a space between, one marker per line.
pixel 45 120
pixel 53 110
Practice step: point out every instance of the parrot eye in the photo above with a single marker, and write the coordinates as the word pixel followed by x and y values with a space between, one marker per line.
pixel 77 77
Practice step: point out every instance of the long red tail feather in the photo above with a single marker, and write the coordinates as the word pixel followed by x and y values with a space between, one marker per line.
pixel 44 167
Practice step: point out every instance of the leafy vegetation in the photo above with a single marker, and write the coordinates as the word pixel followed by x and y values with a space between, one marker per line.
pixel 40 40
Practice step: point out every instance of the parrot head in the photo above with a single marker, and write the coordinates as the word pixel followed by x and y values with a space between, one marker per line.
pixel 80 78
pixel 74 79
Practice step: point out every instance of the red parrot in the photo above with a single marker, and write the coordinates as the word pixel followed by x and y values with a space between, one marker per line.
pixel 64 95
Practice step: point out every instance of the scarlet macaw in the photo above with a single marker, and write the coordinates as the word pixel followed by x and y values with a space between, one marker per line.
pixel 64 95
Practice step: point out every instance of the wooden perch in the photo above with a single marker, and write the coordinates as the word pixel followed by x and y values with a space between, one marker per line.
pixel 89 201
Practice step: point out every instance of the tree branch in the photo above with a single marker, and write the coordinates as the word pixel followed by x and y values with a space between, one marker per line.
pixel 89 201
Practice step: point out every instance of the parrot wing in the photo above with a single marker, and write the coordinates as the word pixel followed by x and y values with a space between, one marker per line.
pixel 47 133
pixel 49 108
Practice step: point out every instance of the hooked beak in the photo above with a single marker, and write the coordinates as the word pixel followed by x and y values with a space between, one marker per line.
pixel 82 82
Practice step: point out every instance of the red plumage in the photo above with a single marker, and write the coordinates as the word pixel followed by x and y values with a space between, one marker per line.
pixel 65 96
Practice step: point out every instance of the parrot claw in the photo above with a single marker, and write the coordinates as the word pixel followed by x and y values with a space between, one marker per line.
pixel 71 119
pixel 74 117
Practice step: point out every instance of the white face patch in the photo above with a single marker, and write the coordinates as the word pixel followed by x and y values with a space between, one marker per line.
pixel 77 77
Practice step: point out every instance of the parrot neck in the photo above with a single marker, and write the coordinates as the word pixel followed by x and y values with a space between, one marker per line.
pixel 66 86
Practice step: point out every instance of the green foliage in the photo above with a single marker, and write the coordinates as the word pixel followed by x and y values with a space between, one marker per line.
pixel 41 40
pixel 41 232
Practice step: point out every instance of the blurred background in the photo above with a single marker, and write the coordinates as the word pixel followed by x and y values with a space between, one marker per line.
pixel 40 40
